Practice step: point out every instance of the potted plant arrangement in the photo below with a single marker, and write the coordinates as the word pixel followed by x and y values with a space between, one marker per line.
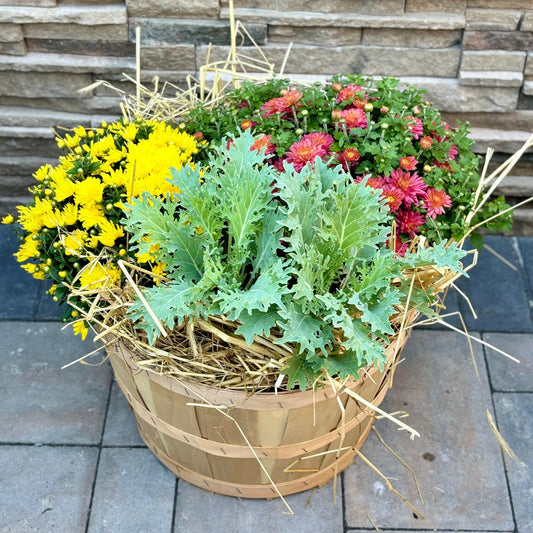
pixel 254 266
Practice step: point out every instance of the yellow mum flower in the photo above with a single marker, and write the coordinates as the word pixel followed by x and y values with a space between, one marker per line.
pixel 8 219
pixel 96 276
pixel 74 242
pixel 80 131
pixel 71 141
pixel 69 215
pixel 53 219
pixel 89 191
pixel 129 132
pixel 34 270
pixel 109 232
pixel 80 328
pixel 91 216
pixel 28 249
pixel 42 173
pixel 101 147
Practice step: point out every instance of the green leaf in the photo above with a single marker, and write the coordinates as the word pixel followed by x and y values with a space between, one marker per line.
pixel 299 372
pixel 257 323
pixel 343 365
pixel 268 242
pixel 377 314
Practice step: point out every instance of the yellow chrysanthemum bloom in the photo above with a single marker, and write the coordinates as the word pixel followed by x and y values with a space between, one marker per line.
pixel 103 146
pixel 53 219
pixel 69 215
pixel 34 270
pixel 96 276
pixel 80 329
pixel 91 216
pixel 28 249
pixel 74 242
pixel 109 232
pixel 42 173
pixel 8 219
pixel 89 192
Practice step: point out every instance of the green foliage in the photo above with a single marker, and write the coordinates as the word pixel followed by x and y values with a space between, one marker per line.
pixel 303 252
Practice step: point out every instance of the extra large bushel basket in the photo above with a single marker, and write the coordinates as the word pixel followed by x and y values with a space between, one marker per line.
pixel 225 441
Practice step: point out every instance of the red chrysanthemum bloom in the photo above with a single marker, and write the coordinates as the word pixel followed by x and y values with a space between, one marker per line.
pixel 408 162
pixel 453 152
pixel 278 164
pixel 282 104
pixel 354 117
pixel 409 221
pixel 320 138
pixel 351 154
pixel 414 126
pixel 412 185
pixel 264 141
pixel 426 142
pixel 248 124
pixel 436 202
pixel 394 196
pixel 305 151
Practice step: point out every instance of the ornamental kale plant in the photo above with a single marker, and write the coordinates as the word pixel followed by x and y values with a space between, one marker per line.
pixel 302 253
pixel 424 169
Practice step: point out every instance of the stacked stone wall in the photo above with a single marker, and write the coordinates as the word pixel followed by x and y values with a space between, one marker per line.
pixel 474 57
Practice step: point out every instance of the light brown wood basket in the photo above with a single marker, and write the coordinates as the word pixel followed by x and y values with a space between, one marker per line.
pixel 253 446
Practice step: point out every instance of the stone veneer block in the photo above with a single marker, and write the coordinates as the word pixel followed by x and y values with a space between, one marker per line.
pixel 10 33
pixel 457 460
pixel 32 3
pixel 507 375
pixel 160 32
pixel 505 141
pixel 60 406
pixel 36 84
pixel 411 38
pixel 363 7
pixel 492 19
pixel 313 511
pixel 25 117
pixel 493 60
pixel 446 6
pixel 98 47
pixel 68 103
pixel 497 40
pixel 393 61
pixel 430 21
pixel 173 8
pixel 175 57
pixel 314 35
pixel 498 4
pixel 146 490
pixel 105 32
pixel 487 78
pixel 527 89
pixel 529 65
pixel 527 21
pixel 91 15
pixel 515 422
pixel 45 488
pixel 13 49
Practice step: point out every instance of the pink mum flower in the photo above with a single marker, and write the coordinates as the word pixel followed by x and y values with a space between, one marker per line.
pixel 305 151
pixel 394 196
pixel 408 162
pixel 414 126
pixel 426 142
pixel 282 104
pixel 436 202
pixel 349 92
pixel 412 185
pixel 354 117
pixel 374 183
pixel 264 141
pixel 453 152
pixel 320 138
pixel 409 221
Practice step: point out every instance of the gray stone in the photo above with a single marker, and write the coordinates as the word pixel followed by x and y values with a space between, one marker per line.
pixel 492 19
pixel 516 186
pixel 363 7
pixel 82 47
pixel 10 33
pixel 393 61
pixel 497 40
pixel 45 488
pixel 16 117
pixel 157 32
pixel 493 60
pixel 22 165
pixel 505 374
pixel 411 38
pixel 456 460
pixel 15 185
pixel 512 120
pixel 353 19
pixel 13 49
pixel 466 99
pixel 102 105
pixel 513 413
pixel 492 78
pixel 107 32
pixel 133 492
pixel 527 21
pixel 60 406
pixel 225 514
pixel 529 65
pixel 498 4
pixel 120 425
pixel 65 14
pixel 506 141
pixel 41 146
pixel 34 3
pixel 177 57
pixel 527 89
pixel 37 62
pixel 173 8
pixel 443 6
pixel 37 84
pixel 314 35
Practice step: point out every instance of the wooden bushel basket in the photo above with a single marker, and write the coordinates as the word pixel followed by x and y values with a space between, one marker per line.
pixel 226 441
